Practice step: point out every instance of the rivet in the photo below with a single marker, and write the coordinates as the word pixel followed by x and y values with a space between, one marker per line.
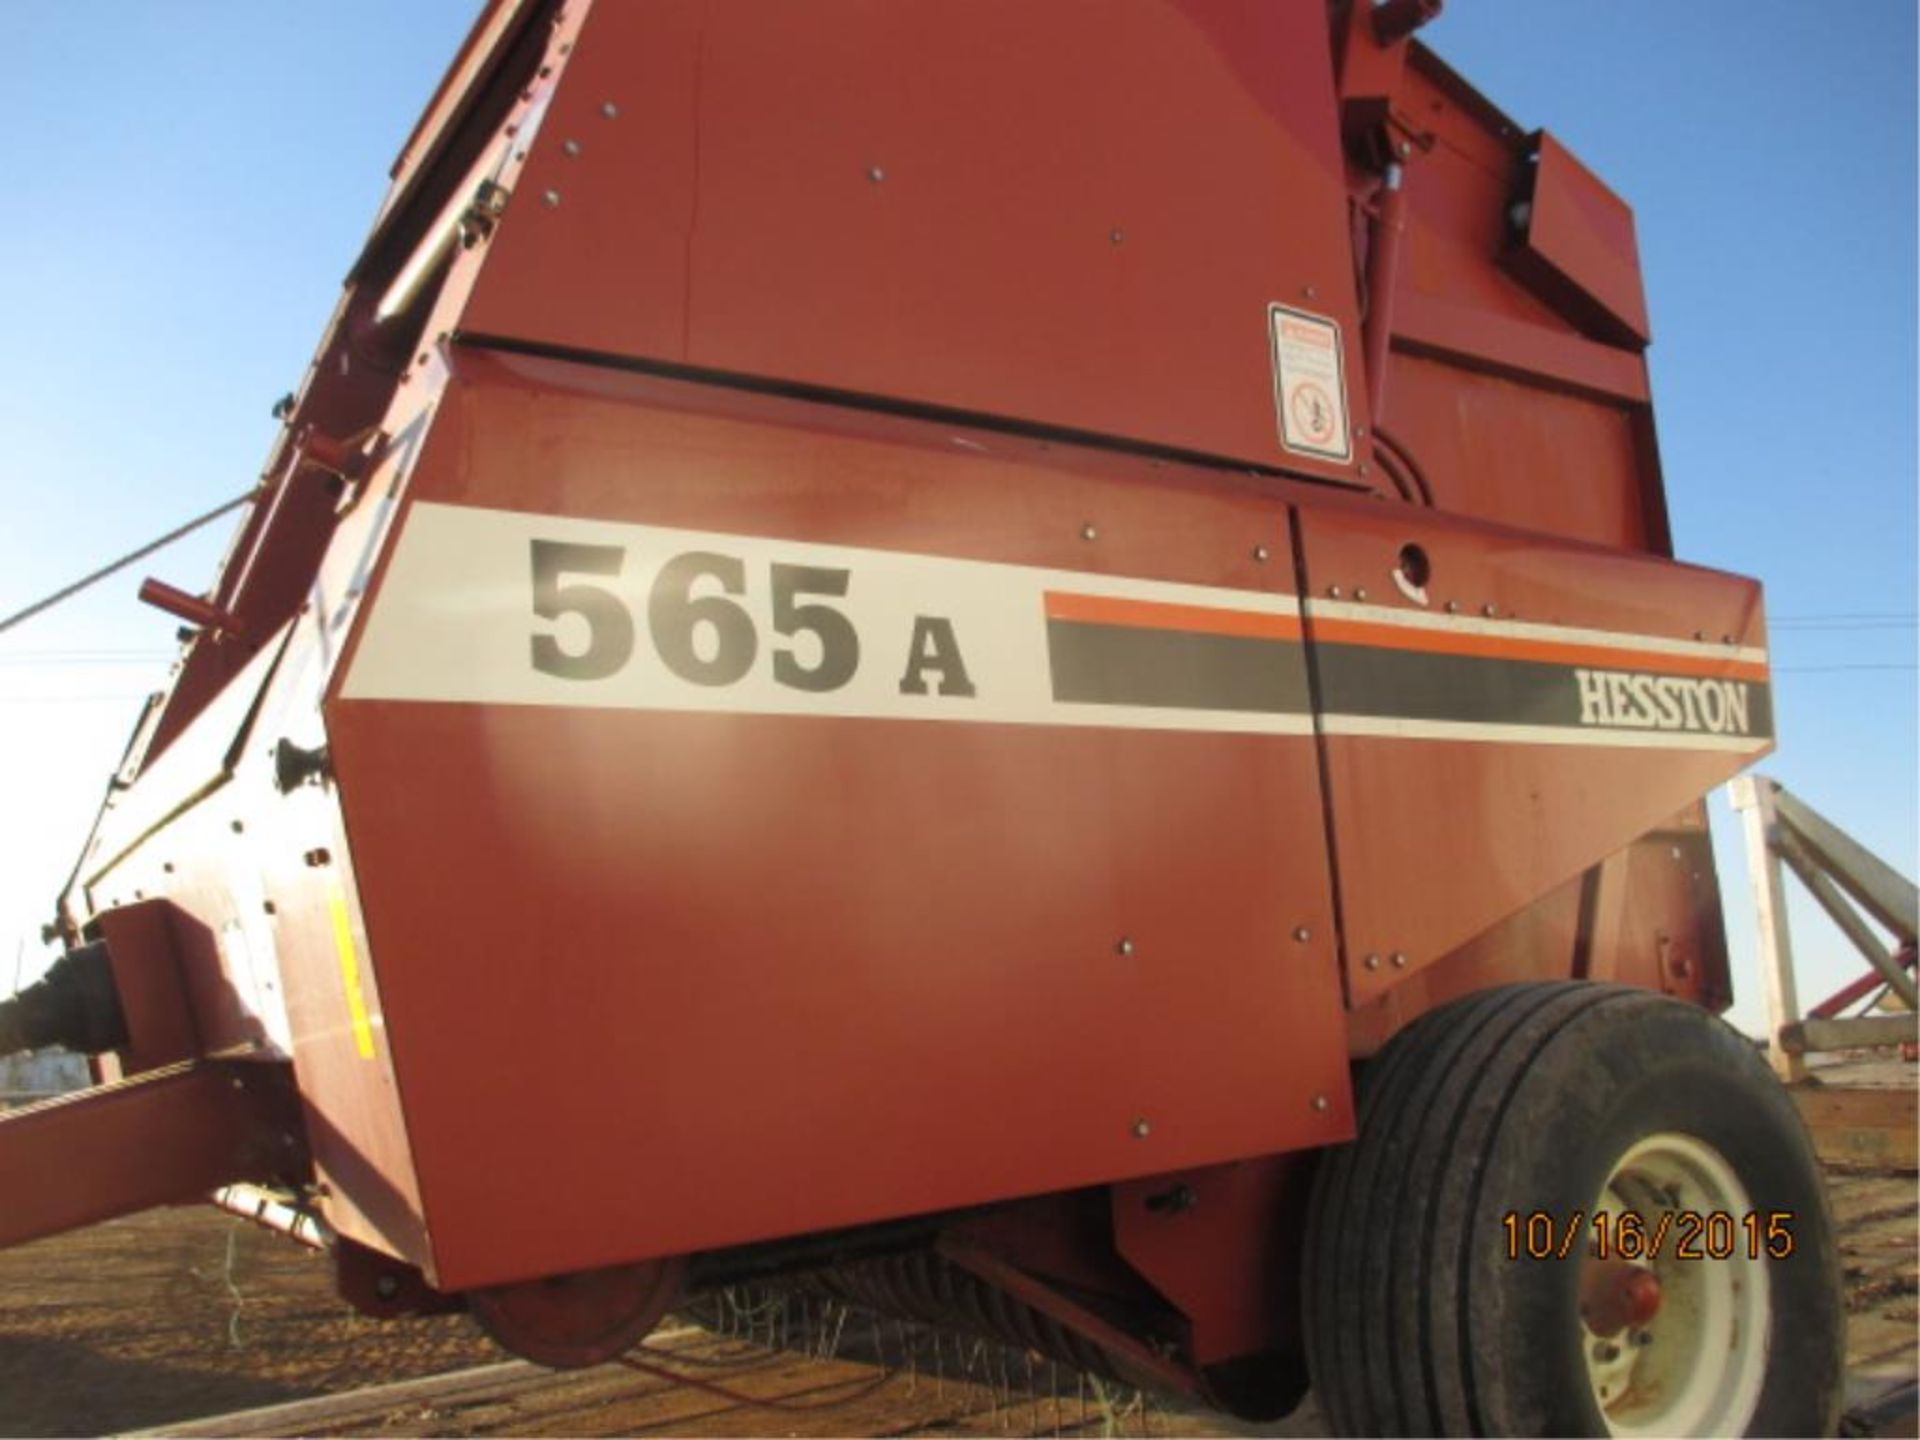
pixel 1726 639
pixel 1118 236
pixel 609 109
pixel 1699 634
pixel 1089 532
pixel 1333 592
pixel 1361 593
pixel 317 857
pixel 552 197
pixel 237 826
pixel 1260 552
pixel 1372 962
pixel 1365 469
pixel 1308 291
pixel 269 907
pixel 1125 947
pixel 1399 959
pixel 1453 607
pixel 1321 1103
pixel 1141 1129
pixel 1489 610
pixel 167 866
pixel 385 1286
pixel 1405 149
pixel 1302 934
pixel 571 147
pixel 1359 432
pixel 876 174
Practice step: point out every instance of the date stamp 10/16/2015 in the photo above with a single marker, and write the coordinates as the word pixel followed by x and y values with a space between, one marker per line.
pixel 1629 1235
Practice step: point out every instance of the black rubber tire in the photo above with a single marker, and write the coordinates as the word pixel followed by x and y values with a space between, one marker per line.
pixel 1521 1099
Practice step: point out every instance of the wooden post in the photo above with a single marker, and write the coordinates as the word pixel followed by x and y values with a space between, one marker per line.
pixel 1753 797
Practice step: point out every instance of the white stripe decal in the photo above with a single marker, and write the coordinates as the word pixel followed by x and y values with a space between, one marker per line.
pixel 1530 630
pixel 1394 728
pixel 455 620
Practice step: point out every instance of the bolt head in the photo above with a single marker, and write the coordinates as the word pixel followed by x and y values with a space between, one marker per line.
pixel 1141 1129
pixel 571 147
pixel 1372 962
pixel 1089 532
pixel 1399 959
pixel 1302 934
pixel 1322 1104
pixel 609 109
pixel 551 198
pixel 1333 592
pixel 385 1286
pixel 1489 610
pixel 1361 593
pixel 1118 236
pixel 1453 607
pixel 1125 947
pixel 1309 291
pixel 1260 552
pixel 876 174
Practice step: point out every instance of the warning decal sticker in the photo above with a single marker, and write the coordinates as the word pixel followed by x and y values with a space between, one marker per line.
pixel 1310 384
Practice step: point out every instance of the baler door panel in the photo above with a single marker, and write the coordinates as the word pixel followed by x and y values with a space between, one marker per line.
pixel 770 820
pixel 1499 711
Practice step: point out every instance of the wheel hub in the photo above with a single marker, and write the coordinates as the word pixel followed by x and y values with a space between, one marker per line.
pixel 1616 1295
pixel 1675 1343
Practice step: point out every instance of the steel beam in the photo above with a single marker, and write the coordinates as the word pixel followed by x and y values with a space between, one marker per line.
pixel 165 1138
pixel 1753 797
pixel 1844 915
pixel 1882 891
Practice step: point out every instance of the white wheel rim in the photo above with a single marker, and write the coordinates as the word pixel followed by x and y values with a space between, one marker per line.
pixel 1696 1367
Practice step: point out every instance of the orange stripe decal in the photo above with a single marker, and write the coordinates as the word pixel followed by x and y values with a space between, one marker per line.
pixel 1161 615
pixel 1551 652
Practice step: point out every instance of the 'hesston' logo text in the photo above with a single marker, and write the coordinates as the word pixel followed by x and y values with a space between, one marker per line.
pixel 1663 702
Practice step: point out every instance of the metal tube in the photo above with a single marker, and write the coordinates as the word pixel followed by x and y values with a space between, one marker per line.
pixel 264 1207
pixel 1844 915
pixel 1383 267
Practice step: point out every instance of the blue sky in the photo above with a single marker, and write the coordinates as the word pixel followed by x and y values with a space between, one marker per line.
pixel 191 180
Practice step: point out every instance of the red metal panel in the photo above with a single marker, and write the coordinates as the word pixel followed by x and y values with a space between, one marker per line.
pixel 1515 454
pixel 1511 410
pixel 1073 213
pixel 1223 1252
pixel 661 981
pixel 1579 247
pixel 1442 829
pixel 153 994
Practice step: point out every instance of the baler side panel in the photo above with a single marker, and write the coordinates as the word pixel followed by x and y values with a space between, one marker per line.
pixel 1072 214
pixel 1512 402
pixel 1525 710
pixel 673 973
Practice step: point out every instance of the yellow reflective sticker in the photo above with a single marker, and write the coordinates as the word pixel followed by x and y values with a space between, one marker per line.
pixel 350 972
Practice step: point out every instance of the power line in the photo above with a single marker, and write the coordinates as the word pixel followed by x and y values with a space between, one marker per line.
pixel 179 532
pixel 1829 669
pixel 1877 617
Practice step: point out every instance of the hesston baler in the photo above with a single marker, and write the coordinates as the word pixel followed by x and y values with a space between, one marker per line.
pixel 1023 658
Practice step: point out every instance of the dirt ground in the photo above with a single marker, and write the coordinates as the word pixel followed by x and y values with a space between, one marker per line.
pixel 157 1319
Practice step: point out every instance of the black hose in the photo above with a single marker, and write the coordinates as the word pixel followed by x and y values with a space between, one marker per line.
pixel 74 1005
pixel 1387 445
